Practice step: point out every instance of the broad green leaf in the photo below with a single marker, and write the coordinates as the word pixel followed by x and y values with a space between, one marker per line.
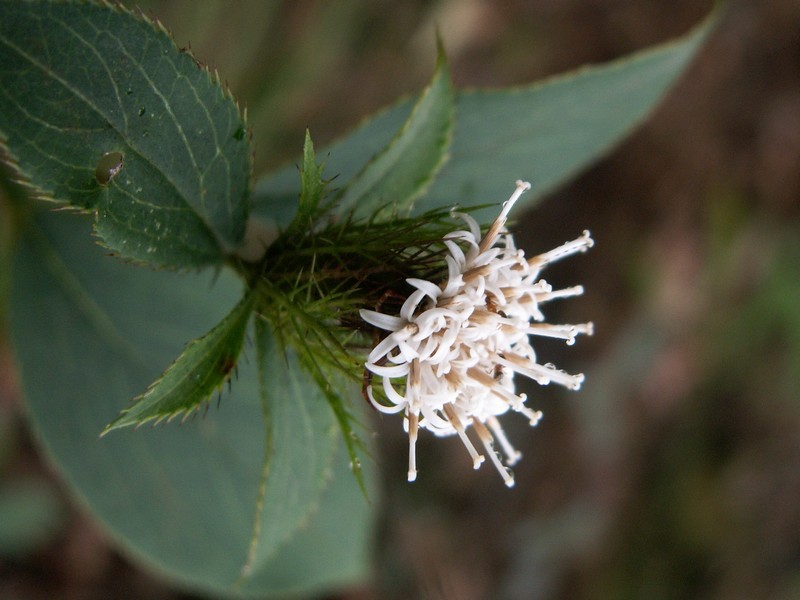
pixel 331 383
pixel 201 369
pixel 301 441
pixel 89 333
pixel 390 182
pixel 101 111
pixel 547 132
pixel 544 133
pixel 332 549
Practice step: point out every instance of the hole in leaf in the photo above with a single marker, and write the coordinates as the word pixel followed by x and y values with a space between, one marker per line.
pixel 108 166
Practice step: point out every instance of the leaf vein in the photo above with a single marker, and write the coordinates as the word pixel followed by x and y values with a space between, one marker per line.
pixel 103 62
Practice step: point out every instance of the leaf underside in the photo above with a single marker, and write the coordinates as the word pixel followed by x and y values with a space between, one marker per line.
pixel 82 81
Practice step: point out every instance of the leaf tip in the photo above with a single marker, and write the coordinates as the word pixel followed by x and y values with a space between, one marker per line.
pixel 117 423
pixel 441 53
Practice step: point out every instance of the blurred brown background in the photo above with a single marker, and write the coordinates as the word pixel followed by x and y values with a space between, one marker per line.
pixel 675 472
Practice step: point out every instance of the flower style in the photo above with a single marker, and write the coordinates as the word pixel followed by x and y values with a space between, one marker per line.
pixel 453 350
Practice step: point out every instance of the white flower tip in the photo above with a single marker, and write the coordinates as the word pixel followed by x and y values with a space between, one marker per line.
pixel 478 461
pixel 584 328
pixel 522 187
pixel 513 459
pixel 380 320
pixel 412 475
pixel 510 482
pixel 577 381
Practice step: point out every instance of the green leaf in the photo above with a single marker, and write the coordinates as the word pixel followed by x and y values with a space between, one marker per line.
pixel 390 182
pixel 545 132
pixel 200 370
pixel 333 548
pixel 100 111
pixel 312 185
pixel 88 333
pixel 301 442
pixel 331 383
pixel 312 192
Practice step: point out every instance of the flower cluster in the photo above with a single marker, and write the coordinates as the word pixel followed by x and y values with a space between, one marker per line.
pixel 448 363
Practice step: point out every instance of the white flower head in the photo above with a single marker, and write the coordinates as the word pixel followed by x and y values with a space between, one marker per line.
pixel 449 360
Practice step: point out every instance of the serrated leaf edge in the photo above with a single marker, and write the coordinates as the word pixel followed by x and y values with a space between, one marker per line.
pixel 248 569
pixel 213 75
pixel 699 31
pixel 245 305
pixel 423 184
pixel 34 192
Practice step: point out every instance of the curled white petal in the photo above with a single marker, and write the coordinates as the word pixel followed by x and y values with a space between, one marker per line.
pixel 426 287
pixel 410 305
pixel 399 370
pixel 380 320
pixel 389 410
pixel 392 394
